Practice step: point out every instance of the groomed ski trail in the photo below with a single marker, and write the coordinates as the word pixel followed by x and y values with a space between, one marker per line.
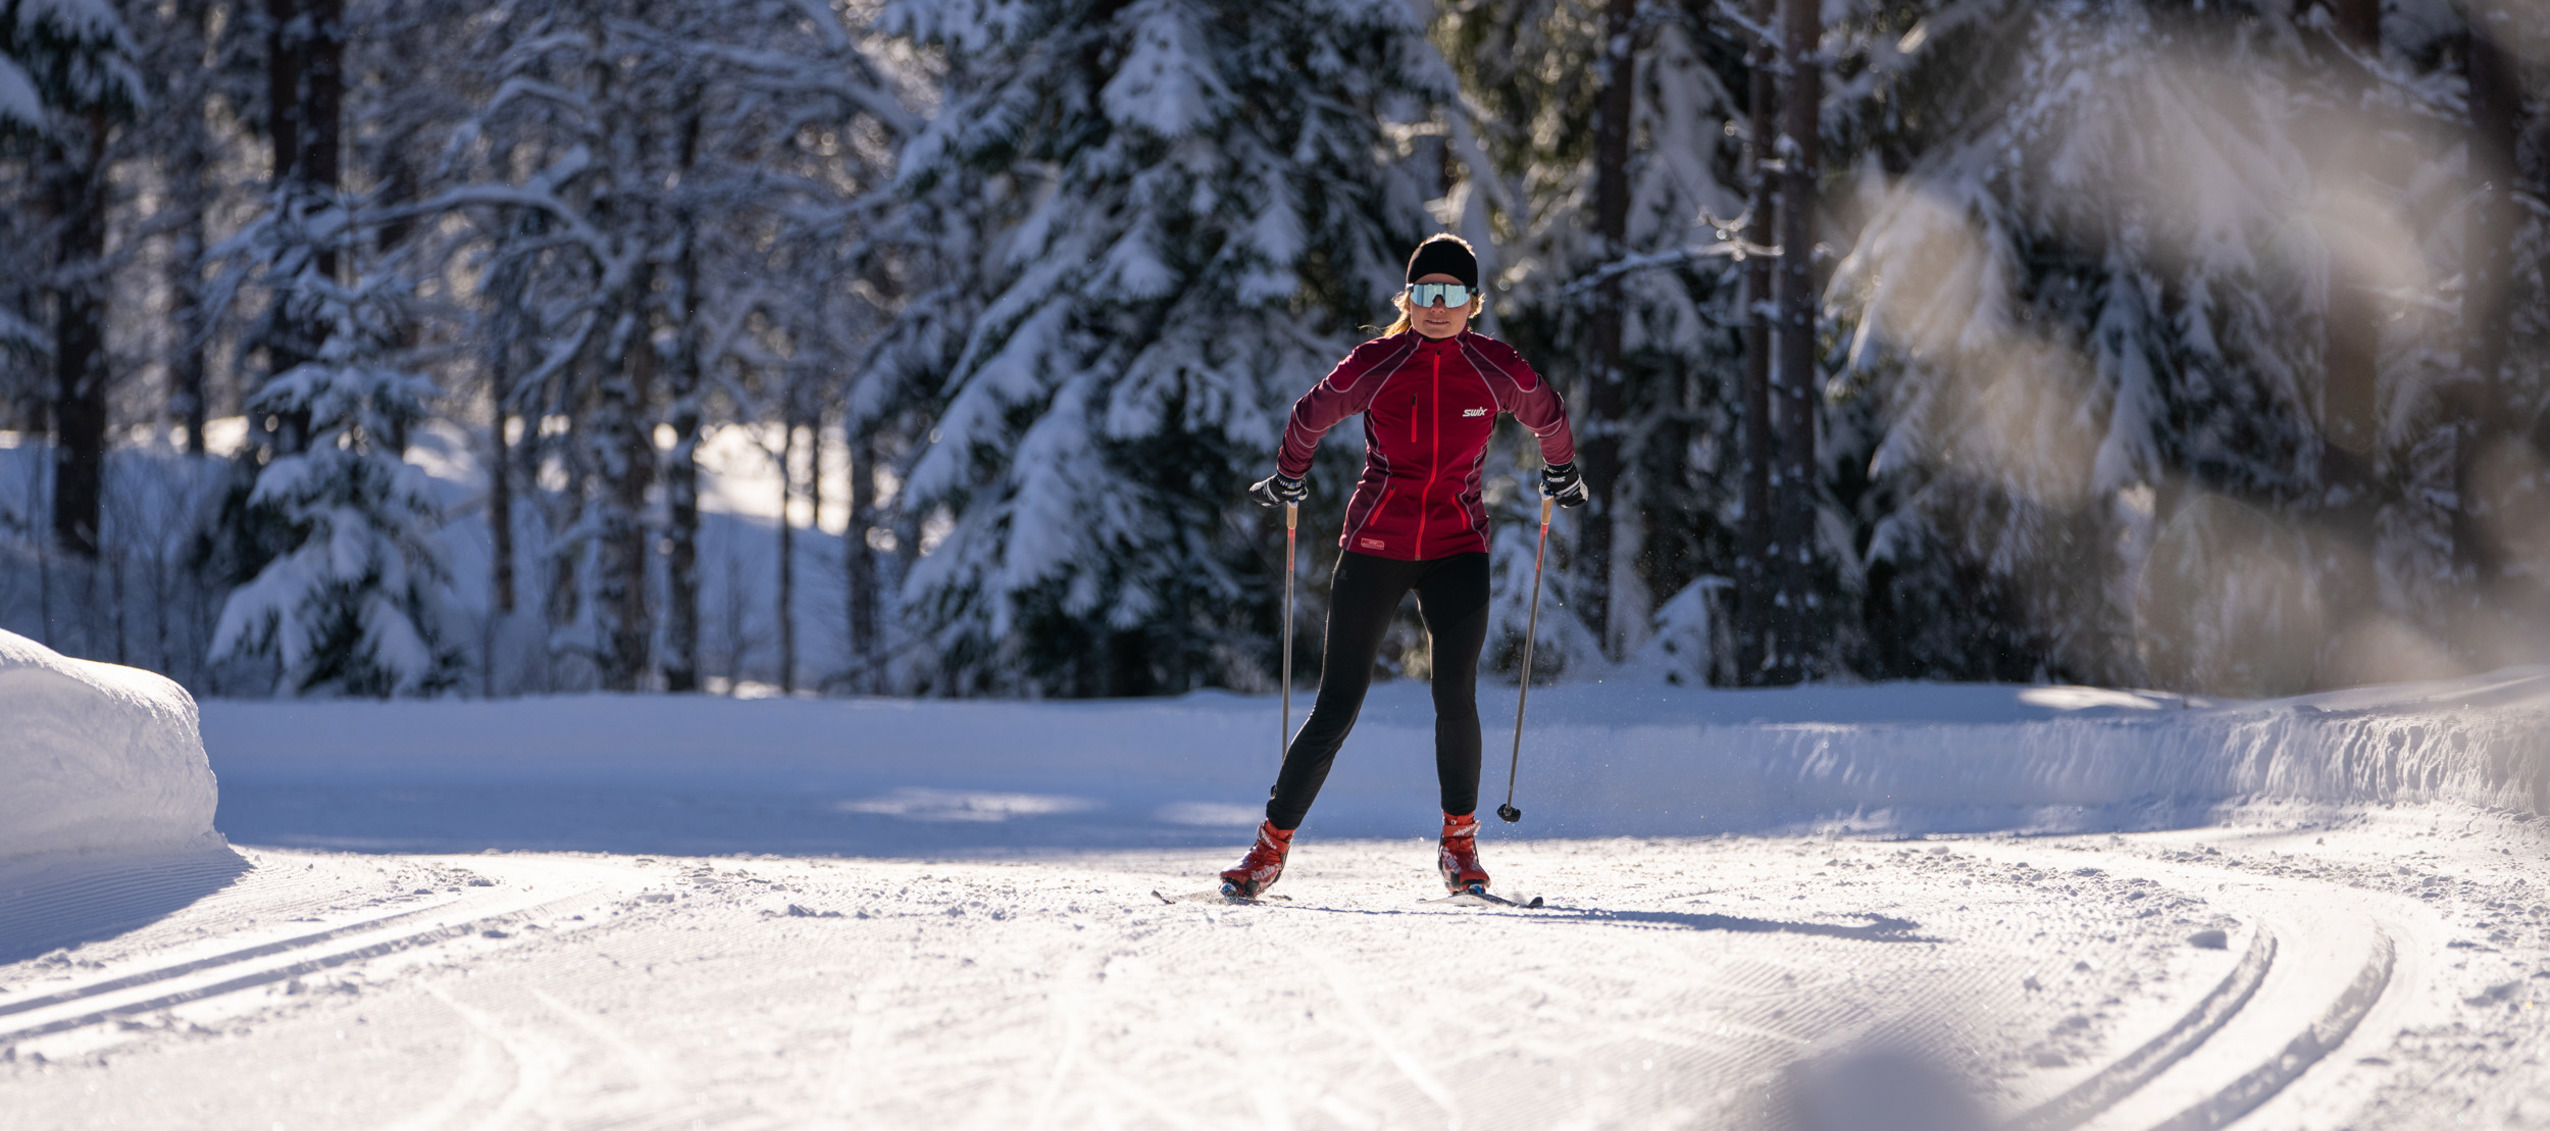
pixel 1678 983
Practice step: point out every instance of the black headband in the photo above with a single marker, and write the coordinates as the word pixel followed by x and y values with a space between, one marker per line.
pixel 1444 255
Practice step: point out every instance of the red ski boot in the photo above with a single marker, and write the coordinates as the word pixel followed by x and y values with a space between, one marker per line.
pixel 1459 857
pixel 1258 870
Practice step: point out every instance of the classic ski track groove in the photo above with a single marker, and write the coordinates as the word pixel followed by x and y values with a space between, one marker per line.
pixel 2306 1049
pixel 479 915
pixel 275 974
pixel 2120 1077
pixel 146 977
pixel 2328 1028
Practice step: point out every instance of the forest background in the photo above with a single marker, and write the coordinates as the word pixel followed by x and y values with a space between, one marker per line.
pixel 412 347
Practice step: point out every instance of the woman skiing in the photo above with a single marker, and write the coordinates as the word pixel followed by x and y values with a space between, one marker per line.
pixel 1431 391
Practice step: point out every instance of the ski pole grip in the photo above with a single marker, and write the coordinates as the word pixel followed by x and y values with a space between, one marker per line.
pixel 1293 515
pixel 1546 504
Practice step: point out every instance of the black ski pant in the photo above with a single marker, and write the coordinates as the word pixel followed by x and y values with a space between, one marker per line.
pixel 1452 596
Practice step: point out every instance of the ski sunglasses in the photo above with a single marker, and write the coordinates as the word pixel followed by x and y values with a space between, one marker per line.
pixel 1439 294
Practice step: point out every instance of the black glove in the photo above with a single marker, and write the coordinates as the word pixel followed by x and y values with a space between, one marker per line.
pixel 1559 482
pixel 1275 489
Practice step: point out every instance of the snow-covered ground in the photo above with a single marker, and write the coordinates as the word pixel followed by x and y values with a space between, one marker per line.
pixel 1899 906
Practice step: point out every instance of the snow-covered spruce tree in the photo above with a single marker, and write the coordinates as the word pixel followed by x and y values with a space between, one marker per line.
pixel 2162 386
pixel 1529 168
pixel 1195 204
pixel 354 602
pixel 926 250
pixel 2022 304
pixel 2448 97
pixel 326 536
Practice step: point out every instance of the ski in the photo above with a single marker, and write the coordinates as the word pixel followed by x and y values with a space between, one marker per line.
pixel 1215 895
pixel 1480 897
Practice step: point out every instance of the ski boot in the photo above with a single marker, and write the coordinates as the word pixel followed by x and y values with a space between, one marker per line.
pixel 1258 870
pixel 1459 857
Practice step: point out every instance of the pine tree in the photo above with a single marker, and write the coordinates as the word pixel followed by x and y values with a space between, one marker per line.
pixel 1193 206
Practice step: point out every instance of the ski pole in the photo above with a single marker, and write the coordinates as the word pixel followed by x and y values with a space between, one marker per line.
pixel 1283 737
pixel 1531 628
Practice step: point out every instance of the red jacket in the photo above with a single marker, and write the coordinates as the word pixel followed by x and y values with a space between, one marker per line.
pixel 1431 406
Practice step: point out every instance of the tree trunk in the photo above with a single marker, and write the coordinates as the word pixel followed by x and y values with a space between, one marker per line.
pixel 287 68
pixel 79 341
pixel 681 538
pixel 188 195
pixel 1599 448
pixel 563 599
pixel 681 465
pixel 505 297
pixel 2496 109
pixel 305 86
pixel 814 480
pixel 563 512
pixel 681 534
pixel 2489 230
pixel 2359 22
pixel 500 505
pixel 860 559
pixel 326 114
pixel 500 493
pixel 628 470
pixel 1797 608
pixel 396 184
pixel 787 552
pixel 2352 341
pixel 1754 606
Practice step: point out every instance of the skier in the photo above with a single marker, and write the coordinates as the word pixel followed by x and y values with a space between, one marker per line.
pixel 1430 390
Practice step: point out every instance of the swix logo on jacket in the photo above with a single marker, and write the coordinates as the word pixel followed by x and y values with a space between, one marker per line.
pixel 1429 408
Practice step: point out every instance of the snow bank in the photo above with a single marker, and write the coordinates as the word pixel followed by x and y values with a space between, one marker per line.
pixel 97 759
pixel 2054 759
pixel 695 773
